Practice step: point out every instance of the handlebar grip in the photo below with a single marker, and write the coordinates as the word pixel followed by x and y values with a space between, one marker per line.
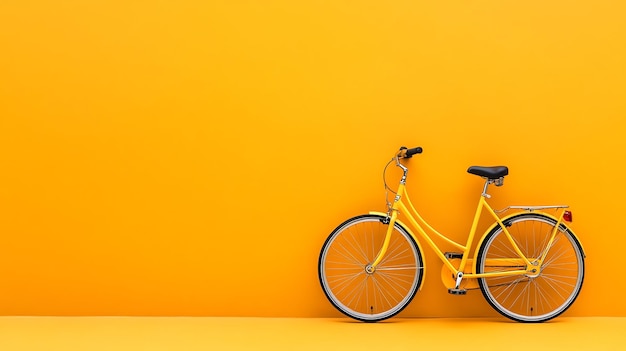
pixel 410 152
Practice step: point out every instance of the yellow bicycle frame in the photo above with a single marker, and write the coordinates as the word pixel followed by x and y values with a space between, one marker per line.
pixel 413 216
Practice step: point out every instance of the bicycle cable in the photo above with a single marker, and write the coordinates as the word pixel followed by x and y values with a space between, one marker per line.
pixel 387 188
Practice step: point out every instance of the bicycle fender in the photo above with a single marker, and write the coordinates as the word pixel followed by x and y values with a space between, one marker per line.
pixel 504 219
pixel 419 246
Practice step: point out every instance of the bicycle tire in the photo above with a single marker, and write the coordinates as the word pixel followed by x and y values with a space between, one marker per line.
pixel 349 249
pixel 541 296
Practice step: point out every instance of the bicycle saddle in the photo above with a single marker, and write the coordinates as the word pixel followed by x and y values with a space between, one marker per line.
pixel 489 172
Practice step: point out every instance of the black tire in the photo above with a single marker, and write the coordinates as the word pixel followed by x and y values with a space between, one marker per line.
pixel 538 297
pixel 349 249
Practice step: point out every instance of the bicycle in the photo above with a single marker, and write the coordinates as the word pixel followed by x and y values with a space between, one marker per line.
pixel 529 265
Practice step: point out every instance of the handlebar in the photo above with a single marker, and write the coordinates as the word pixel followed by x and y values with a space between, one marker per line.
pixel 408 153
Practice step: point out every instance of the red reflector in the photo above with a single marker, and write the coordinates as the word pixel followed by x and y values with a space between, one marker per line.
pixel 567 216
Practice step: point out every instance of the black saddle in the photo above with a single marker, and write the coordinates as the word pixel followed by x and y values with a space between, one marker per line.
pixel 489 172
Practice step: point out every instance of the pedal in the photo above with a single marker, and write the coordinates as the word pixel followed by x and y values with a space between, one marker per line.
pixel 453 255
pixel 457 291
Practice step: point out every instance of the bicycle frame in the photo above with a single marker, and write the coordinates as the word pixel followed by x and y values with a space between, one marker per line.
pixel 532 265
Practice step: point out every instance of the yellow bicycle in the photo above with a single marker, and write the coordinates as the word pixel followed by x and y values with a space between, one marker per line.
pixel 529 265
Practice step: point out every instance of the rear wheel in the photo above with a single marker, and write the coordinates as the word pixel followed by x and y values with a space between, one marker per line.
pixel 540 296
pixel 349 283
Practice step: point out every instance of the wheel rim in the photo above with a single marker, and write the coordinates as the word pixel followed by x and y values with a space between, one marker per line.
pixel 350 284
pixel 542 295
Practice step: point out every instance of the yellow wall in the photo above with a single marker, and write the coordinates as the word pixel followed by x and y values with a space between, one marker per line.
pixel 190 157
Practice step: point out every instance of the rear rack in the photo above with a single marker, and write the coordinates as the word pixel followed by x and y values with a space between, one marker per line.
pixel 531 208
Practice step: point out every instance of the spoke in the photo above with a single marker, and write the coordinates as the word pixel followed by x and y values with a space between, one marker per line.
pixel 393 284
pixel 391 255
pixel 551 279
pixel 395 256
pixel 357 247
pixel 359 267
pixel 540 249
pixel 558 254
pixel 356 294
pixel 343 277
pixel 397 267
pixel 344 283
pixel 547 301
pixel 517 243
pixel 547 249
pixel 367 292
pixel 510 287
pixel 521 294
pixel 397 277
pixel 380 291
pixel 567 265
pixel 498 246
pixel 348 255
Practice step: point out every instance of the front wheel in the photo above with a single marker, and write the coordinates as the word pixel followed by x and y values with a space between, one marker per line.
pixel 531 297
pixel 349 283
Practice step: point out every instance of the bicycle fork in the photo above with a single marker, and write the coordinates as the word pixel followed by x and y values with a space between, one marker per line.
pixel 391 221
pixel 392 215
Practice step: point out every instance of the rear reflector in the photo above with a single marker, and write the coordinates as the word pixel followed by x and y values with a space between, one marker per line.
pixel 567 216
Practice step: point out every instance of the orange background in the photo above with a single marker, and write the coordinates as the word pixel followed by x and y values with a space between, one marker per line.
pixel 190 157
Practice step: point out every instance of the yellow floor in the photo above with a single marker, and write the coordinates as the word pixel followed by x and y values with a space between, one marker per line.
pixel 211 333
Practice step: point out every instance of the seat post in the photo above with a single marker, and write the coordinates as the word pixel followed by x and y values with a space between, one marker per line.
pixel 484 194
